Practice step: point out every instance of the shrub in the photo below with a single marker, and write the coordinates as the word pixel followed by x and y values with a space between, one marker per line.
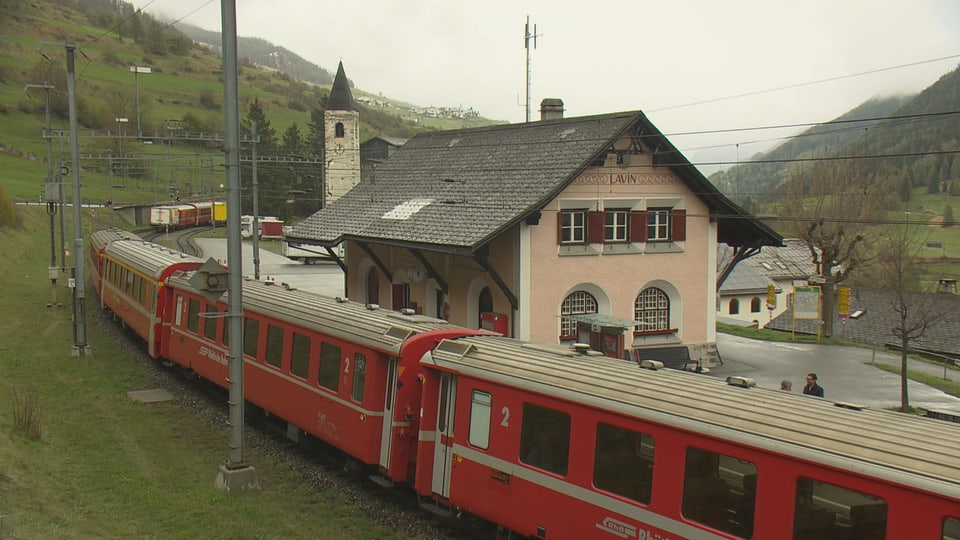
pixel 26 414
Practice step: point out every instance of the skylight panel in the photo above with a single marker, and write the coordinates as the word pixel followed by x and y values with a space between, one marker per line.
pixel 407 209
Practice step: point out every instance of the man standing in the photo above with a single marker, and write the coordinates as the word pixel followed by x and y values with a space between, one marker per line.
pixel 812 388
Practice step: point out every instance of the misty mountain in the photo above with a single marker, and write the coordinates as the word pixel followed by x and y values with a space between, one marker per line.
pixel 911 137
pixel 263 53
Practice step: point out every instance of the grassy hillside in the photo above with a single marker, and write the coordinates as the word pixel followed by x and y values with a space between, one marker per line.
pixel 183 93
pixel 100 465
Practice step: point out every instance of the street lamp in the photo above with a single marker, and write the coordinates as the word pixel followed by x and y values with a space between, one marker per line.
pixel 137 70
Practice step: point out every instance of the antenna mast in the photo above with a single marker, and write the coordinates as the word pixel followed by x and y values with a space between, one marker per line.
pixel 527 36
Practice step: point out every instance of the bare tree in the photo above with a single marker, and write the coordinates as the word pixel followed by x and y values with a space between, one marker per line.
pixel 827 205
pixel 916 310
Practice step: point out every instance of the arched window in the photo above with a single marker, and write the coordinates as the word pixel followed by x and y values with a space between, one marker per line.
pixel 338 130
pixel 755 305
pixel 652 307
pixel 734 307
pixel 484 304
pixel 577 303
pixel 373 286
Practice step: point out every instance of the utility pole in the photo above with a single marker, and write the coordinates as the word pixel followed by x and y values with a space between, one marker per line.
pixel 110 180
pixel 50 192
pixel 255 239
pixel 234 475
pixel 527 36
pixel 80 346
pixel 137 70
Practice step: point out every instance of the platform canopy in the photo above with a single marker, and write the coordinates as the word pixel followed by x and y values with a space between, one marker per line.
pixel 608 321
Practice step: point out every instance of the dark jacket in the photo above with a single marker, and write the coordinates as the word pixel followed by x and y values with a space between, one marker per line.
pixel 813 389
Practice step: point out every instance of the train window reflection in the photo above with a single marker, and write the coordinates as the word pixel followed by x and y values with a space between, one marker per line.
pixel 251 337
pixel 359 376
pixel 193 316
pixel 329 366
pixel 828 511
pixel 480 419
pixel 210 323
pixel 720 491
pixel 274 353
pixel 623 462
pixel 300 356
pixel 951 529
pixel 545 438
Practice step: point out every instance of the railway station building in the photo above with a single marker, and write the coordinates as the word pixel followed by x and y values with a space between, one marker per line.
pixel 591 229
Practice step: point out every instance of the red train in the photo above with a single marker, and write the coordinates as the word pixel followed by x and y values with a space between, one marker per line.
pixel 548 442
pixel 178 216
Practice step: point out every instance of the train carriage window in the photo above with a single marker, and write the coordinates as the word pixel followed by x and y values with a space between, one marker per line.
pixel 951 529
pixel 193 316
pixel 623 463
pixel 178 318
pixel 251 337
pixel 151 293
pixel 300 355
pixel 720 491
pixel 329 366
pixel 210 323
pixel 823 510
pixel 225 334
pixel 545 438
pixel 359 377
pixel 480 407
pixel 274 353
pixel 128 282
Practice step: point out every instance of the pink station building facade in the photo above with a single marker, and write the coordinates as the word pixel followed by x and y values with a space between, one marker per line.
pixel 592 230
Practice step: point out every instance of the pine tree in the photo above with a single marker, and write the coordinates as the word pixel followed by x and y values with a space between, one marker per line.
pixel 933 184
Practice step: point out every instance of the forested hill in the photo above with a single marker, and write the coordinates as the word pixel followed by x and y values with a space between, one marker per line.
pixel 911 131
pixel 262 52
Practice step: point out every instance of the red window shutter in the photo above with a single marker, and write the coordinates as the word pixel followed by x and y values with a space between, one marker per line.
pixel 595 227
pixel 638 226
pixel 679 225
pixel 560 227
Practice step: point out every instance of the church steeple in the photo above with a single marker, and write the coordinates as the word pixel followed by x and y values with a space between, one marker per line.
pixel 340 97
pixel 341 139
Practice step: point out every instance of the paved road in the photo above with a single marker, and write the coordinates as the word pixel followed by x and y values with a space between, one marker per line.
pixel 325 279
pixel 845 372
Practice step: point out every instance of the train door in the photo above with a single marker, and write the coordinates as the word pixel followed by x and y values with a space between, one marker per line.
pixel 386 438
pixel 443 450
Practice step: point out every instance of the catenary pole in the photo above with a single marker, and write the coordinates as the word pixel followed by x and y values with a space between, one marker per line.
pixel 80 346
pixel 235 474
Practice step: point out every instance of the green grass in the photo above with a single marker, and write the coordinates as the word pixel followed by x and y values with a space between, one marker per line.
pixel 107 467
pixel 767 334
pixel 945 385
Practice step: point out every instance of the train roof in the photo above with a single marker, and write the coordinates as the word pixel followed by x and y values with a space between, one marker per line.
pixel 103 237
pixel 366 325
pixel 912 450
pixel 151 259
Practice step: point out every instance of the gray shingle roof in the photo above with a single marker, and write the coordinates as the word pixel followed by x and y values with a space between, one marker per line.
pixel 876 325
pixel 456 190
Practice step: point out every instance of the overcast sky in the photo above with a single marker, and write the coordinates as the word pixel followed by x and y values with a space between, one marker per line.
pixel 676 60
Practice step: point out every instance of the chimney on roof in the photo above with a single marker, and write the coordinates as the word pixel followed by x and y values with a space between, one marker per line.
pixel 551 109
pixel 947 286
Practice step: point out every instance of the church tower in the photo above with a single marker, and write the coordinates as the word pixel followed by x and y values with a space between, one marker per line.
pixel 341 140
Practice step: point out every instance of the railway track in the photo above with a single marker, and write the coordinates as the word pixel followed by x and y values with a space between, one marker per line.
pixel 181 239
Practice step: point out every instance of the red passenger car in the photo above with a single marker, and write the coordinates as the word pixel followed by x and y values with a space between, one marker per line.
pixel 341 371
pixel 132 276
pixel 559 444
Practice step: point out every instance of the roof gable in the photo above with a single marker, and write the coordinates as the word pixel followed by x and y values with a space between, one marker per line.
pixel 470 185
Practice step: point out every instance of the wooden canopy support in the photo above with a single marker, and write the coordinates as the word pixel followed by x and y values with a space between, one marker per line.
pixel 431 271
pixel 376 260
pixel 482 258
